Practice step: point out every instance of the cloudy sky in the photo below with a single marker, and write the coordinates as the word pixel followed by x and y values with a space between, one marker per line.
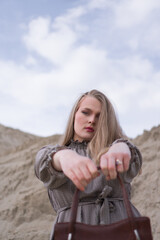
pixel 52 51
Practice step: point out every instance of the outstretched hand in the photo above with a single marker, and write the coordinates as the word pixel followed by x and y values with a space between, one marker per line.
pixel 81 170
pixel 117 158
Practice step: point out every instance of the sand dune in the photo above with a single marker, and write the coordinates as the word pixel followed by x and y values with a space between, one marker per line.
pixel 25 211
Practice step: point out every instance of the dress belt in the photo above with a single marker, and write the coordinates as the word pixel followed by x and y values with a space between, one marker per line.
pixel 104 202
pixel 107 206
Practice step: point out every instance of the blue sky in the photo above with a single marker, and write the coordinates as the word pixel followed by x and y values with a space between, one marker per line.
pixel 52 51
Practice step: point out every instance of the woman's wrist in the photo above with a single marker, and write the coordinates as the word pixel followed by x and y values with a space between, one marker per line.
pixel 61 155
pixel 130 145
pixel 54 157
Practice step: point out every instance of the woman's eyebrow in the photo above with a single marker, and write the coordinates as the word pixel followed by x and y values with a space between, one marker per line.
pixel 86 108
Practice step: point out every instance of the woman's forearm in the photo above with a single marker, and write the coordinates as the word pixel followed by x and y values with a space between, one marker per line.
pixel 62 154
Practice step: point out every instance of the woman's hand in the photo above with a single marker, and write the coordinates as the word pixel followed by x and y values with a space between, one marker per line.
pixel 117 158
pixel 81 170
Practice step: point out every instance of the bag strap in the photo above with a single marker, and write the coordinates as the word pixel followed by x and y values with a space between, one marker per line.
pixel 125 198
pixel 73 213
pixel 126 203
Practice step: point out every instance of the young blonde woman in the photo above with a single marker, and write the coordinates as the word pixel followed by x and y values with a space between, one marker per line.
pixel 93 138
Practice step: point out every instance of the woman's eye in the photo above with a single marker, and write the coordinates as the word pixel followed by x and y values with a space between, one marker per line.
pixel 84 112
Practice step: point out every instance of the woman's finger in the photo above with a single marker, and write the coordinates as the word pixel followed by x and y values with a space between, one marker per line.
pixel 112 172
pixel 104 165
pixel 119 165
pixel 79 184
pixel 92 169
pixel 126 161
pixel 80 176
pixel 86 173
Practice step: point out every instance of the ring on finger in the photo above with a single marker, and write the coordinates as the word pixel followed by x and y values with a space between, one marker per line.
pixel 118 162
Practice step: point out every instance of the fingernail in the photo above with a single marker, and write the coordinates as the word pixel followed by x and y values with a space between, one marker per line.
pixel 108 178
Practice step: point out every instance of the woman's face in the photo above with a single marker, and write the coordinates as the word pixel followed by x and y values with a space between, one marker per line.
pixel 86 118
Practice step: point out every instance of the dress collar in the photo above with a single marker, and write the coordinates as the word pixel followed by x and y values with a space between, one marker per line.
pixel 78 143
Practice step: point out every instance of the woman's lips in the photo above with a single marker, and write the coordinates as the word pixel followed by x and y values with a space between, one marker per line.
pixel 89 129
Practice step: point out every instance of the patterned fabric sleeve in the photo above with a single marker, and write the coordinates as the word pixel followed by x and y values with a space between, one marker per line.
pixel 135 162
pixel 44 169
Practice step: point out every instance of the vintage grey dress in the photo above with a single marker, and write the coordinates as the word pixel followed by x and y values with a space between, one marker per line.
pixel 100 203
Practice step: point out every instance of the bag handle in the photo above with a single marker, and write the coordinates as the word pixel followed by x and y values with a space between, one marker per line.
pixel 127 204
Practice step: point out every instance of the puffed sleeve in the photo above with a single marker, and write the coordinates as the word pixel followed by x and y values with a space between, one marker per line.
pixel 44 169
pixel 135 162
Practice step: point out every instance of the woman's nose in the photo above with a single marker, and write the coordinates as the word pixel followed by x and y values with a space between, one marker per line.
pixel 92 119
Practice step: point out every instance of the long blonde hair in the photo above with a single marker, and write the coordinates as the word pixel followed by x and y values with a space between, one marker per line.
pixel 108 129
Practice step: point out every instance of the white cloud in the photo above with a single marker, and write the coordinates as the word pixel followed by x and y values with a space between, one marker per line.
pixel 55 40
pixel 21 83
pixel 70 17
pixel 52 45
pixel 133 12
pixel 151 96
pixel 131 80
pixel 30 60
pixel 99 4
pixel 77 64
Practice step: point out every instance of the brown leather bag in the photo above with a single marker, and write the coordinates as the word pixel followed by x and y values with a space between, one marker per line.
pixel 132 228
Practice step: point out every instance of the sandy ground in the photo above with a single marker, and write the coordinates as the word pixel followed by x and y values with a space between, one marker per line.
pixel 25 211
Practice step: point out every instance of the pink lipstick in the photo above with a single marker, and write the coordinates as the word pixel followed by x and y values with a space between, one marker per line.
pixel 89 129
